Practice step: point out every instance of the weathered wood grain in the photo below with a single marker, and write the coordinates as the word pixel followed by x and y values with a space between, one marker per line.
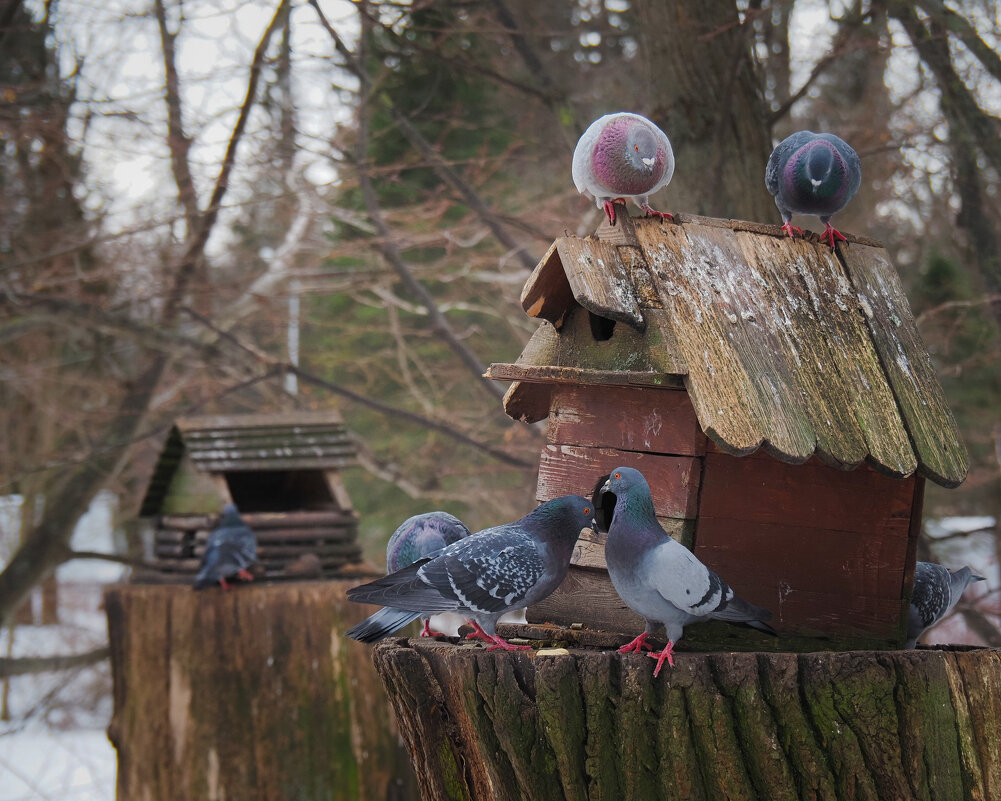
pixel 547 293
pixel 599 281
pixel 249 694
pixel 907 365
pixel 568 469
pixel 633 419
pixel 835 367
pixel 906 725
pixel 590 548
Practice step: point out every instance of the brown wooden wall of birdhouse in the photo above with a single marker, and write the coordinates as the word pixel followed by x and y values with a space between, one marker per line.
pixel 828 551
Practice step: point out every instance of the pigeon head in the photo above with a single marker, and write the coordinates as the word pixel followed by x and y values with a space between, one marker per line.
pixel 817 172
pixel 561 518
pixel 629 157
pixel 967 576
pixel 632 492
pixel 230 515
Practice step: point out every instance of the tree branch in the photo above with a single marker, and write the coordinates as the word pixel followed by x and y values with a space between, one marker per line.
pixel 960 26
pixel 26 665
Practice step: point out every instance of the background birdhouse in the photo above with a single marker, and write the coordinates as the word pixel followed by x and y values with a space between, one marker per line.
pixel 282 472
pixel 776 395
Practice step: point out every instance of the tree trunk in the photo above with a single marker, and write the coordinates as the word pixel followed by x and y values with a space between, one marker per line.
pixel 252 693
pixel 706 96
pixel 596 725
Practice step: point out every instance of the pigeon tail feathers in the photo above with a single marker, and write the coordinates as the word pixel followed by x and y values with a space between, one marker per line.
pixel 381 624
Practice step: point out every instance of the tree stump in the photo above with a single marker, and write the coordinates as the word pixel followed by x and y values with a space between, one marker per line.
pixel 587 724
pixel 252 694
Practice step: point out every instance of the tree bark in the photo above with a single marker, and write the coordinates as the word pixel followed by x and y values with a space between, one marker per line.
pixel 588 724
pixel 706 96
pixel 252 693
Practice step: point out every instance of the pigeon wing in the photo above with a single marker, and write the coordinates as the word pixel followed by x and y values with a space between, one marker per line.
pixel 489 573
pixel 685 582
pixel 780 155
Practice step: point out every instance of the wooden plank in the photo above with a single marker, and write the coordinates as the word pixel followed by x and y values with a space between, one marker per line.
pixel 835 369
pixel 739 373
pixel 939 446
pixel 302 537
pixel 574 375
pixel 631 419
pixel 528 402
pixel 812 495
pixel 547 293
pixel 264 520
pixel 599 281
pixel 674 480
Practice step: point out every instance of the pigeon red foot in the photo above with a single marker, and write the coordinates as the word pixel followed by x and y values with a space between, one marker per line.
pixel 427 631
pixel 661 215
pixel 791 229
pixel 500 642
pixel 223 584
pixel 660 657
pixel 636 646
pixel 609 207
pixel 830 234
pixel 478 633
pixel 244 575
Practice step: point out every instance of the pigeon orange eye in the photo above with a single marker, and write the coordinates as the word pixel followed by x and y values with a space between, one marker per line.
pixel 636 148
pixel 587 510
pixel 618 475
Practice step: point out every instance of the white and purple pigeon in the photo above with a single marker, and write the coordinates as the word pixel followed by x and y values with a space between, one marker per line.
pixel 484 575
pixel 810 173
pixel 416 538
pixel 621 156
pixel 936 591
pixel 661 579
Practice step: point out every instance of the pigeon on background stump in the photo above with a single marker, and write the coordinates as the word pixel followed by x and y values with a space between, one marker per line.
pixel 661 579
pixel 417 537
pixel 812 173
pixel 230 550
pixel 486 574
pixel 936 591
pixel 623 156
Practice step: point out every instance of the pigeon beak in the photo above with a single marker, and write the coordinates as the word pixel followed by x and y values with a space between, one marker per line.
pixel 815 182
pixel 648 162
pixel 594 525
pixel 975 577
pixel 608 486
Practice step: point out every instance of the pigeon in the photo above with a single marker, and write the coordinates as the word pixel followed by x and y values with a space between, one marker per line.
pixel 230 550
pixel 661 579
pixel 486 574
pixel 936 591
pixel 417 537
pixel 620 156
pixel 812 173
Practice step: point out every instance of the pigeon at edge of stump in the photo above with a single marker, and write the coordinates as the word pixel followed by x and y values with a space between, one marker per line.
pixel 936 591
pixel 488 573
pixel 230 550
pixel 810 173
pixel 623 155
pixel 417 537
pixel 660 579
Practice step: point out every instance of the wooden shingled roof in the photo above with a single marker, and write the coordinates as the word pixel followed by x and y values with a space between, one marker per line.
pixel 781 344
pixel 249 442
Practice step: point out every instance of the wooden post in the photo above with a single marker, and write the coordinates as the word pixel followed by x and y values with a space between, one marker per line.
pixel 587 724
pixel 252 693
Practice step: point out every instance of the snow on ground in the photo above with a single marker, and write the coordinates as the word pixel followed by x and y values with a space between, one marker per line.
pixel 55 746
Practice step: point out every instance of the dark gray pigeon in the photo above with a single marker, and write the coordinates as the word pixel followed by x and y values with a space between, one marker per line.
pixel 661 579
pixel 811 173
pixel 936 591
pixel 231 549
pixel 620 156
pixel 418 537
pixel 488 573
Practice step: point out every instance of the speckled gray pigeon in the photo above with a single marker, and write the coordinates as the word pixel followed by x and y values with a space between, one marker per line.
pixel 661 579
pixel 417 537
pixel 622 156
pixel 231 549
pixel 811 173
pixel 491 572
pixel 936 591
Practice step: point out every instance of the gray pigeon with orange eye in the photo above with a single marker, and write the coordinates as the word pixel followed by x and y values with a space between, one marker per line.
pixel 621 156
pixel 659 578
pixel 811 173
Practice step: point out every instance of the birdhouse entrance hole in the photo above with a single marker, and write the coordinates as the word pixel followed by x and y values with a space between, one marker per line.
pixel 601 327
pixel 280 490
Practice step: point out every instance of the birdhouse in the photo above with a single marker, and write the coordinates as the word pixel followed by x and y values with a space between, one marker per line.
pixel 282 472
pixel 775 393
